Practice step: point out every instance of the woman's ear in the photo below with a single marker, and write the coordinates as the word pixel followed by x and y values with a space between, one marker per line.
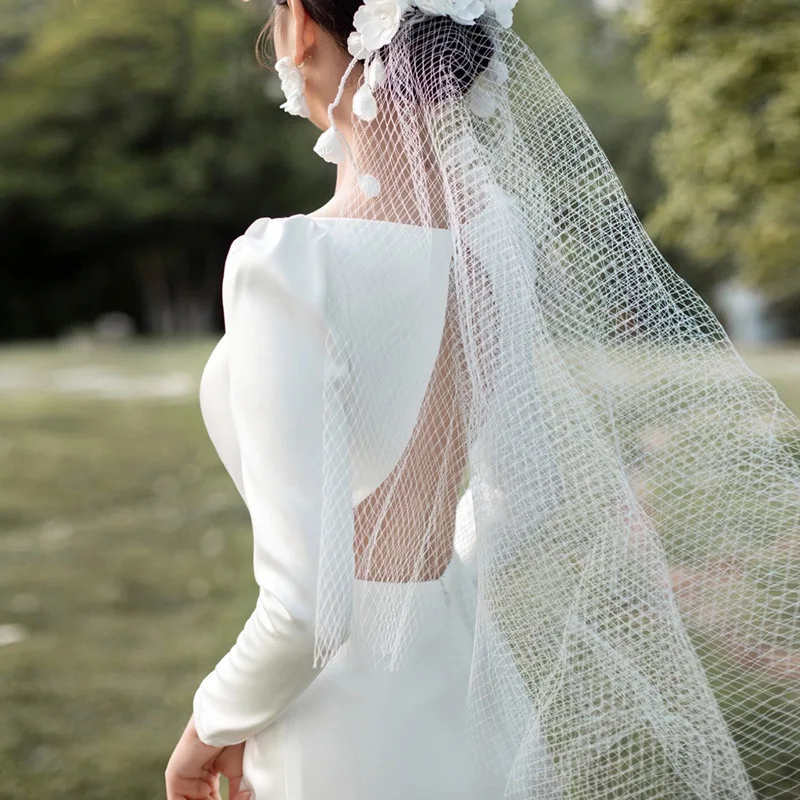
pixel 304 31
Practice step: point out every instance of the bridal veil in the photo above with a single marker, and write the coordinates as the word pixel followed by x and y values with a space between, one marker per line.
pixel 633 487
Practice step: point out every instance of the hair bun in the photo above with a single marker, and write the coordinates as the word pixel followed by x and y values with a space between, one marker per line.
pixel 433 59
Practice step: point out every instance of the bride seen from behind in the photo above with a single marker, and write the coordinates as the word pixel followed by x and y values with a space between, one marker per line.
pixel 478 303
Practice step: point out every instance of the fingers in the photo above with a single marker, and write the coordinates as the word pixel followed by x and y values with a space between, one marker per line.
pixel 236 791
pixel 207 786
pixel 230 764
pixel 191 773
pixel 179 788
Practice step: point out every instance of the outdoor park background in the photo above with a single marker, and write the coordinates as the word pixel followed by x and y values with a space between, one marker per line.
pixel 137 139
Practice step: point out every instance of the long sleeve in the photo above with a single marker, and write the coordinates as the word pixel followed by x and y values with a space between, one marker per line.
pixel 274 304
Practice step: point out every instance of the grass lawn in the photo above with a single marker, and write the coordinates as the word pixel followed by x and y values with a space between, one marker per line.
pixel 125 562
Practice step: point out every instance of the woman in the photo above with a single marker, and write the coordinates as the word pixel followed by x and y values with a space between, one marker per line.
pixel 478 301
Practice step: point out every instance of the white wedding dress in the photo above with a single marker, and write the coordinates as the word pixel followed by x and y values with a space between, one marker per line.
pixel 346 732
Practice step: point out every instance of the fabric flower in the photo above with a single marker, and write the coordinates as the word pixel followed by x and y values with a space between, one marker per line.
pixel 376 72
pixel 481 99
pixel 377 22
pixel 496 72
pixel 464 12
pixel 355 46
pixel 370 186
pixel 329 146
pixel 502 11
pixel 364 105
pixel 483 95
pixel 293 85
pixel 296 105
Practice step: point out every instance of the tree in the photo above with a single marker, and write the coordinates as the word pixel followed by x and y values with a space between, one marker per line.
pixel 729 73
pixel 136 142
pixel 140 133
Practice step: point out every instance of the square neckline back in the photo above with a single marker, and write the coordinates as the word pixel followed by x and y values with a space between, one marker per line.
pixel 406 225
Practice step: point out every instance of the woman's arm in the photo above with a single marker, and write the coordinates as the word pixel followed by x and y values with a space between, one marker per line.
pixel 273 297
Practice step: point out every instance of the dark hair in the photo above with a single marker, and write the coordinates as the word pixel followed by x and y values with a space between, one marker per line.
pixel 442 58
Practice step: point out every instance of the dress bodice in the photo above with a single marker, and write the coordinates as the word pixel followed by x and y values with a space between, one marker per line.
pixel 384 309
pixel 311 399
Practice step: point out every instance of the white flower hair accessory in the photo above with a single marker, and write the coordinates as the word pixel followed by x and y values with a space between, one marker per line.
pixel 293 84
pixel 502 11
pixel 483 92
pixel 376 23
pixel 465 12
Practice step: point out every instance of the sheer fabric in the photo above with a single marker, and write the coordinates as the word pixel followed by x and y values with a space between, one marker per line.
pixel 634 489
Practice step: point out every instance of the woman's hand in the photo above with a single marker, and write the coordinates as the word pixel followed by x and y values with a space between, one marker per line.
pixel 194 769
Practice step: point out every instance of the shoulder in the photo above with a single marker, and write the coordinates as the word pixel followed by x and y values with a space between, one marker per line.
pixel 283 255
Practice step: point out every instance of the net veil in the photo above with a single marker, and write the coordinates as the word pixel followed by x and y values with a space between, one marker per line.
pixel 625 490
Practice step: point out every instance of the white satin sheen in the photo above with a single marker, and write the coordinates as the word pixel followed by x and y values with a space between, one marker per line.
pixel 348 730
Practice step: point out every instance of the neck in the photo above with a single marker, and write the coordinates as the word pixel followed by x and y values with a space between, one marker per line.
pixel 372 148
pixel 343 116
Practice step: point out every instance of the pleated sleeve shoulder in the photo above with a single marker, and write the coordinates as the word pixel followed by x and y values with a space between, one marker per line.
pixel 274 300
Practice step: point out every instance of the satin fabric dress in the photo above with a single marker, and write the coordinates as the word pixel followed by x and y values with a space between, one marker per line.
pixel 345 731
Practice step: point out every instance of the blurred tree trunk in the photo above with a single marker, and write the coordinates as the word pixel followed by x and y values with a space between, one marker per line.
pixel 176 300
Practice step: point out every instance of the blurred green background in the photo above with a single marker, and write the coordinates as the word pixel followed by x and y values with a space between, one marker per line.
pixel 137 139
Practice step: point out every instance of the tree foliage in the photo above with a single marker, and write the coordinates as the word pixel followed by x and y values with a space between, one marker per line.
pixel 139 134
pixel 593 59
pixel 137 140
pixel 729 74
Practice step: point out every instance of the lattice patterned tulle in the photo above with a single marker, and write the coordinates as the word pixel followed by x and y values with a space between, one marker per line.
pixel 634 488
